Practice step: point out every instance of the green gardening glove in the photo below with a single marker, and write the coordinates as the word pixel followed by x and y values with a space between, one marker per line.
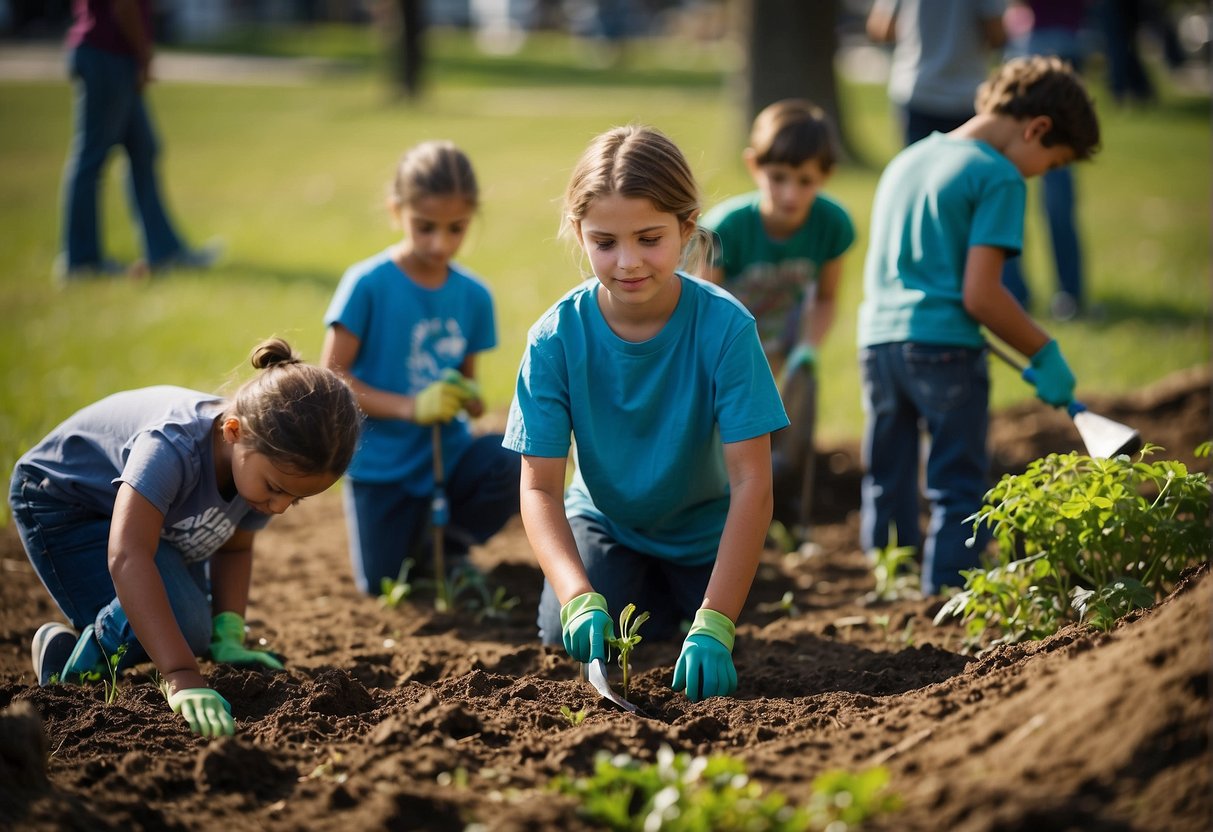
pixel 227 644
pixel 803 355
pixel 471 390
pixel 705 665
pixel 586 627
pixel 207 713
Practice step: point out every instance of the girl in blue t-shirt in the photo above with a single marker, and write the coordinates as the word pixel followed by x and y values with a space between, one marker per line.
pixel 404 328
pixel 660 379
pixel 122 507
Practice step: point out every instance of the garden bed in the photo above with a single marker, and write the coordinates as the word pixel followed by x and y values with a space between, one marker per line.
pixel 404 718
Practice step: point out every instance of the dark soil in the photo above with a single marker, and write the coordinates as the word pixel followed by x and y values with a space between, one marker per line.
pixel 407 719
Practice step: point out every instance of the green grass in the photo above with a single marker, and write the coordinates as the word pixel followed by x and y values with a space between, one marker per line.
pixel 294 178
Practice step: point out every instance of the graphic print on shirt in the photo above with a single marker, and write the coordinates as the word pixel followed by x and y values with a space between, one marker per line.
pixel 436 344
pixel 198 537
pixel 774 292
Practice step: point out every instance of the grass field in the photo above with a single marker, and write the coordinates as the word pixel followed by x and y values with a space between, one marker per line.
pixel 293 179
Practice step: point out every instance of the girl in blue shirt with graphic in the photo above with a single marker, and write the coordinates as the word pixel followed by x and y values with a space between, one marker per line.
pixel 123 506
pixel 404 328
pixel 660 380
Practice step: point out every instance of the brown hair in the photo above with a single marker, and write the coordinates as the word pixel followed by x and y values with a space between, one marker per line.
pixel 635 162
pixel 1044 86
pixel 794 131
pixel 300 416
pixel 434 168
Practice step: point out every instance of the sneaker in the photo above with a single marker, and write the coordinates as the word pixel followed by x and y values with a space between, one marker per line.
pixel 1064 307
pixel 61 274
pixel 203 257
pixel 86 657
pixel 52 645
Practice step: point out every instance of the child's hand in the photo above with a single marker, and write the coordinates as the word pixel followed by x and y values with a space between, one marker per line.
pixel 1051 376
pixel 207 713
pixel 438 403
pixel 802 355
pixel 705 665
pixel 586 627
pixel 227 644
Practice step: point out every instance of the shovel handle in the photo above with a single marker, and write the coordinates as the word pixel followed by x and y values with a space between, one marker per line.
pixel 1029 375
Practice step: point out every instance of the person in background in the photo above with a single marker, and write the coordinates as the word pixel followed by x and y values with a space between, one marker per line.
pixel 110 51
pixel 780 252
pixel 659 380
pixel 139 514
pixel 947 211
pixel 404 329
pixel 941 52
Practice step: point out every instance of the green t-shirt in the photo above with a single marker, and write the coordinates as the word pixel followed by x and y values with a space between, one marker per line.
pixel 773 278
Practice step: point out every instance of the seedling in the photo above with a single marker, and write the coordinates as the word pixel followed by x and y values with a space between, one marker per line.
pixel 895 570
pixel 393 592
pixel 629 636
pixel 110 684
pixel 785 605
pixel 574 718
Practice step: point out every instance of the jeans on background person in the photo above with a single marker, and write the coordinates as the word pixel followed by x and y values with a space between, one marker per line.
pixel 67 546
pixel 670 592
pixel 108 110
pixel 909 387
pixel 918 124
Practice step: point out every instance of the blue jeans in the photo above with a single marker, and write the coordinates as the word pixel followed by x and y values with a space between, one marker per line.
pixel 387 524
pixel 1057 188
pixel 109 110
pixel 68 546
pixel 669 592
pixel 909 387
pixel 918 124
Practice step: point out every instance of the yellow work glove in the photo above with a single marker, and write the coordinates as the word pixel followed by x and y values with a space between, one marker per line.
pixel 438 403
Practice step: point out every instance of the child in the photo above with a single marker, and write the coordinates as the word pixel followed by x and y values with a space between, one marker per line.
pixel 781 255
pixel 163 482
pixel 400 323
pixel 661 381
pixel 947 212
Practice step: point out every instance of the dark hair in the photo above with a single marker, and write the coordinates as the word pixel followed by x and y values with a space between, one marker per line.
pixel 1044 86
pixel 300 416
pixel 794 131
pixel 434 168
pixel 637 162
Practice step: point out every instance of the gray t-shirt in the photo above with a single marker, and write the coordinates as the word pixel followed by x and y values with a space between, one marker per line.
pixel 159 441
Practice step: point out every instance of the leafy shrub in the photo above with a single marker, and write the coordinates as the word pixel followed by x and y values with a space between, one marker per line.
pixel 681 793
pixel 1083 539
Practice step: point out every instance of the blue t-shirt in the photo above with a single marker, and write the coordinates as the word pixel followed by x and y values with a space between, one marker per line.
pixel 937 198
pixel 409 335
pixel 775 278
pixel 648 419
pixel 158 440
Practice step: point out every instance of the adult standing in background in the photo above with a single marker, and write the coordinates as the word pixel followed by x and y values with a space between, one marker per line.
pixel 109 58
pixel 1053 27
pixel 941 53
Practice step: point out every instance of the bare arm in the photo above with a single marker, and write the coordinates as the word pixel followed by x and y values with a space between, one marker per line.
pixel 993 33
pixel 130 23
pixel 745 529
pixel 340 349
pixel 474 407
pixel 547 528
pixel 881 24
pixel 134 537
pixel 232 574
pixel 989 302
pixel 818 318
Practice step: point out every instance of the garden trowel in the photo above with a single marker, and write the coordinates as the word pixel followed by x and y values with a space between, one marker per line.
pixel 1102 437
pixel 596 672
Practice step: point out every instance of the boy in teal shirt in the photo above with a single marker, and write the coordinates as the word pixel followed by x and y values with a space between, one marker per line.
pixel 780 253
pixel 947 212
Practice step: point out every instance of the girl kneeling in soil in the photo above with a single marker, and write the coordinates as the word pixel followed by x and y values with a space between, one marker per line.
pixel 404 328
pixel 160 483
pixel 661 380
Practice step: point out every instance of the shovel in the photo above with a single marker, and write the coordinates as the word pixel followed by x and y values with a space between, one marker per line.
pixel 596 672
pixel 1103 438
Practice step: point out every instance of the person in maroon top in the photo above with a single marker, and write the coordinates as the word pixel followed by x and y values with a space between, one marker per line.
pixel 110 57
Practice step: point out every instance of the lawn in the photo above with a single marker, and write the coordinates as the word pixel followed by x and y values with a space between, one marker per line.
pixel 293 179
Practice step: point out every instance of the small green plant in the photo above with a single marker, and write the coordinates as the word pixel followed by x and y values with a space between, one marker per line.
pixel 1083 539
pixel 682 793
pixel 786 605
pixel 895 570
pixel 392 593
pixel 574 718
pixel 469 583
pixel 108 680
pixel 629 636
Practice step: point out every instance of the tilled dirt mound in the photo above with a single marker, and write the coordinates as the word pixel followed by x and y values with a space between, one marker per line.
pixel 407 719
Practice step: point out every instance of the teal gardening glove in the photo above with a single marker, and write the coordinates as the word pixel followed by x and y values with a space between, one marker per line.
pixel 207 713
pixel 586 627
pixel 705 665
pixel 1051 376
pixel 802 355
pixel 227 644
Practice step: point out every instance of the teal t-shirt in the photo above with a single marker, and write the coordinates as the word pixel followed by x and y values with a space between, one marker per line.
pixel 937 199
pixel 774 278
pixel 648 420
